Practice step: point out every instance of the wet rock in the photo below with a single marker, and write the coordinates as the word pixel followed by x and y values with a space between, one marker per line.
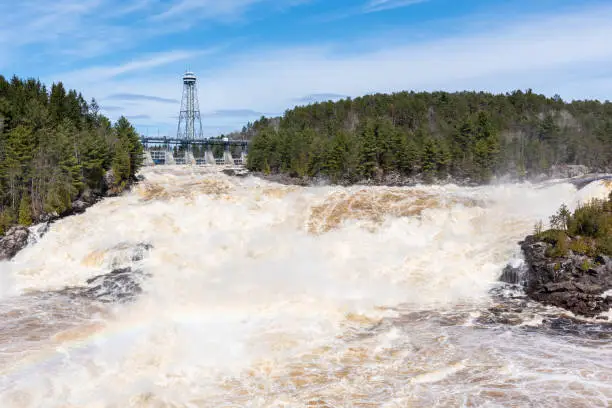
pixel 565 282
pixel 238 172
pixel 140 250
pixel 583 329
pixel 79 206
pixel 86 200
pixel 126 254
pixel 568 171
pixel 120 285
pixel 110 186
pixel 36 232
pixel 13 241
pixel 285 179
pixel 524 314
pixel 512 275
pixel 581 182
pixel 48 217
pixel 602 260
pixel 108 181
pixel 123 283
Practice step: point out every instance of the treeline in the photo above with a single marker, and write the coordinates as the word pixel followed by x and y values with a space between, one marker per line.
pixel 467 135
pixel 55 147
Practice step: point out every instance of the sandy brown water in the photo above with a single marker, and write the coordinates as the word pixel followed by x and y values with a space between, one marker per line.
pixel 265 295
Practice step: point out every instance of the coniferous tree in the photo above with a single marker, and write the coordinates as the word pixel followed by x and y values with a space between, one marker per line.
pixel 53 147
pixel 465 134
pixel 25 211
pixel 368 160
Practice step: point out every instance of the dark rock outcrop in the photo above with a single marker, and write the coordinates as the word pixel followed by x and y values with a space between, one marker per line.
pixel 575 282
pixel 568 171
pixel 86 200
pixel 36 232
pixel 108 181
pixel 236 172
pixel 123 283
pixel 13 241
pixel 16 238
pixel 120 285
pixel 126 254
pixel 514 274
pixel 392 179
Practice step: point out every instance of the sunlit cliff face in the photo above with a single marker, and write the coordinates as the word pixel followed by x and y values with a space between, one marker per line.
pixel 257 294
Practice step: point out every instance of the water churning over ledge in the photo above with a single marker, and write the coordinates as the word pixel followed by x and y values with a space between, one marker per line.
pixel 257 294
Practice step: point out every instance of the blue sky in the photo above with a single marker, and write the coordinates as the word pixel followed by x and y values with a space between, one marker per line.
pixel 255 57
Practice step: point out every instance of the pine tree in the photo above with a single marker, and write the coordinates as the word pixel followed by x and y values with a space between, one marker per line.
pixel 259 151
pixel 25 211
pixel 430 157
pixel 130 142
pixel 337 156
pixel 386 140
pixel 53 146
pixel 6 220
pixel 368 152
pixel 121 164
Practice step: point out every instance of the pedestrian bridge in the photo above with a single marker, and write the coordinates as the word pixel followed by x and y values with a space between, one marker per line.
pixel 170 151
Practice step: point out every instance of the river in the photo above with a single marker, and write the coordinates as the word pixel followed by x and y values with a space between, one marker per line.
pixel 261 295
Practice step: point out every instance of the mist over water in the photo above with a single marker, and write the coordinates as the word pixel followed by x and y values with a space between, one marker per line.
pixel 257 294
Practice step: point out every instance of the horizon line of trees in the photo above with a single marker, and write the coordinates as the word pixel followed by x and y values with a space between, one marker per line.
pixel 56 147
pixel 473 135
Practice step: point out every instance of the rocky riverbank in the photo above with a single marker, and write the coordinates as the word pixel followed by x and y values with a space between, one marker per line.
pixel 390 180
pixel 17 237
pixel 579 283
pixel 394 179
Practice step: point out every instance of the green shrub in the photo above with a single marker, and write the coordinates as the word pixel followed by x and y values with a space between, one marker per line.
pixel 591 220
pixel 25 211
pixel 552 236
pixel 559 241
pixel 537 229
pixel 589 228
pixel 604 245
pixel 561 218
pixel 582 246
pixel 6 220
pixel 586 265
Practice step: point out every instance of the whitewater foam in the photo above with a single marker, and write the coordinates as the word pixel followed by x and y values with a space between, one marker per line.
pixel 262 294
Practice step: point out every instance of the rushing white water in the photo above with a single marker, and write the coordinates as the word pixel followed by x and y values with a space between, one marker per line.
pixel 269 295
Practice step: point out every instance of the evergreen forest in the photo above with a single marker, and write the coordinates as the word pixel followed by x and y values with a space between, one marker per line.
pixel 467 135
pixel 54 148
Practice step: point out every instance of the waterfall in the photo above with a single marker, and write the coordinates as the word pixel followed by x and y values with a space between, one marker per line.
pixel 244 292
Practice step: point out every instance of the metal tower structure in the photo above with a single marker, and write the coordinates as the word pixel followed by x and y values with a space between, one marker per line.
pixel 190 122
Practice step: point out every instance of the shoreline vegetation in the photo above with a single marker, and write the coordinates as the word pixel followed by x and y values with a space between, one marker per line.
pixel 573 173
pixel 468 137
pixel 58 154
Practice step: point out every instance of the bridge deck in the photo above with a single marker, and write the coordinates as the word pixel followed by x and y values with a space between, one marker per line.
pixel 201 142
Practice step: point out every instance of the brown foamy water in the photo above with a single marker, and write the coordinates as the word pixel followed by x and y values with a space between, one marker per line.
pixel 265 295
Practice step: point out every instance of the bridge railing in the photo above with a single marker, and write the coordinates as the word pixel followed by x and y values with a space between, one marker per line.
pixel 161 150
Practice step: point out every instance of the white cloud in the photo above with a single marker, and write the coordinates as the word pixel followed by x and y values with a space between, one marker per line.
pixel 206 9
pixel 102 73
pixel 370 6
pixel 517 54
pixel 554 54
pixel 40 21
pixel 80 29
pixel 381 5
